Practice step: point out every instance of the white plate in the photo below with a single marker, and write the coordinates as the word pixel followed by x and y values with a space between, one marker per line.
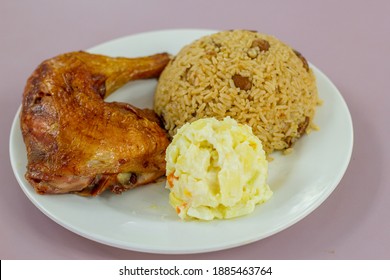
pixel 142 219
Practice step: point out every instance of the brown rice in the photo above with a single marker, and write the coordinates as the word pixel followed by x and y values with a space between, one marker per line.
pixel 251 77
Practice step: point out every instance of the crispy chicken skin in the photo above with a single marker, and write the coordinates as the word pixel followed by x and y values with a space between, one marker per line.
pixel 77 142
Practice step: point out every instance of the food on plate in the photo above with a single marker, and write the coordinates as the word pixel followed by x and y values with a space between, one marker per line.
pixel 75 141
pixel 216 169
pixel 252 77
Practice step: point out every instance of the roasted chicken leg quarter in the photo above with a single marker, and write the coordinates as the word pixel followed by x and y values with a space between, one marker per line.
pixel 77 142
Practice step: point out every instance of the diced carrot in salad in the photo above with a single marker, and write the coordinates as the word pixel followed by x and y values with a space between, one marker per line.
pixel 171 177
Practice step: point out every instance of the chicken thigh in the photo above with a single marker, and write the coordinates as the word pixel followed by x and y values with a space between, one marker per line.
pixel 77 142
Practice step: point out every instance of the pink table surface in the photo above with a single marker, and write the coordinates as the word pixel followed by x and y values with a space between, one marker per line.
pixel 348 40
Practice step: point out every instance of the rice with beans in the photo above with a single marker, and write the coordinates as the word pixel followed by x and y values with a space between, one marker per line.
pixel 252 77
